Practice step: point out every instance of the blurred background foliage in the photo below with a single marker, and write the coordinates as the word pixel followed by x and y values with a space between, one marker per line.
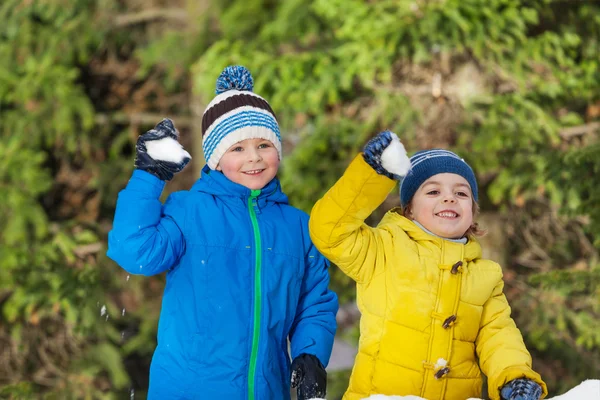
pixel 512 85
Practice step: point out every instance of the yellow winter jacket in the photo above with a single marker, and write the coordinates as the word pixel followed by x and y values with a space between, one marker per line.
pixel 433 311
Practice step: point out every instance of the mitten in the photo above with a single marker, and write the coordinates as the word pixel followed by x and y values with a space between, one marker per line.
pixel 387 156
pixel 521 389
pixel 309 377
pixel 159 153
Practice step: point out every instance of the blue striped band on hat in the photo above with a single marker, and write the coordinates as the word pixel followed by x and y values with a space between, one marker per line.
pixel 238 120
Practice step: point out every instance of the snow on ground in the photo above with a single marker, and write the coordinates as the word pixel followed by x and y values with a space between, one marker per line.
pixel 586 390
pixel 383 397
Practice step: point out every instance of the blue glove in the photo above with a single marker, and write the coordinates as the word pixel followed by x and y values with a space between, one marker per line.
pixel 159 153
pixel 387 156
pixel 521 389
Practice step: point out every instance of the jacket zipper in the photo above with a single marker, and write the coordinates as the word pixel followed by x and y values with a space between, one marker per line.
pixel 257 293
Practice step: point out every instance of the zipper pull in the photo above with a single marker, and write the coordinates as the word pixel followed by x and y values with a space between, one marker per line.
pixel 254 193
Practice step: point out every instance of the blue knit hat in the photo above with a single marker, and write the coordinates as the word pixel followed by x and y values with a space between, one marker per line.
pixel 235 114
pixel 427 163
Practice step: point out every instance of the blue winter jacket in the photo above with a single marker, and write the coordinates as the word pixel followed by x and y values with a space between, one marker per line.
pixel 242 277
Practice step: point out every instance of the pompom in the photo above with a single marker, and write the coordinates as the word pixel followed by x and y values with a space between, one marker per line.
pixel 234 77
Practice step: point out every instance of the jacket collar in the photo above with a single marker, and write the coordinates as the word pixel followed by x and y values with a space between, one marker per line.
pixel 217 184
pixel 471 250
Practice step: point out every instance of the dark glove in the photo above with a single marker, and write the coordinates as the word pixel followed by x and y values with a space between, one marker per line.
pixel 394 164
pixel 521 389
pixel 176 159
pixel 309 376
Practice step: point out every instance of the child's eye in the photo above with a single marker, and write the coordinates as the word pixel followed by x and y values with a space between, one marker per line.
pixel 264 145
pixel 462 194
pixel 237 148
pixel 433 192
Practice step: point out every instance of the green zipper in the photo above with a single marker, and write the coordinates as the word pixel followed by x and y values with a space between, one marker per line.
pixel 257 293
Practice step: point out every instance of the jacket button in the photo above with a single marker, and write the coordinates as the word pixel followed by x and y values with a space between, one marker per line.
pixel 449 321
pixel 456 266
pixel 439 374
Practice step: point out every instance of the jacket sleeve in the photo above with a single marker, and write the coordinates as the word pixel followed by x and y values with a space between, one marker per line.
pixel 337 224
pixel 145 239
pixel 500 347
pixel 314 325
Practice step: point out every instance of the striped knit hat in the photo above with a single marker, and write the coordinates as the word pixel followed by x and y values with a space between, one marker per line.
pixel 236 114
pixel 427 163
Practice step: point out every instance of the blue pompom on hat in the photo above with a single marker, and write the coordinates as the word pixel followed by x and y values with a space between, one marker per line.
pixel 427 163
pixel 235 114
pixel 234 78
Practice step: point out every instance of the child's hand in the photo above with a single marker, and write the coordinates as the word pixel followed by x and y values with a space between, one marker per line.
pixel 159 153
pixel 309 376
pixel 387 156
pixel 521 389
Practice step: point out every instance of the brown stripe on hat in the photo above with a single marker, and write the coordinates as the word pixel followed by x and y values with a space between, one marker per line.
pixel 231 103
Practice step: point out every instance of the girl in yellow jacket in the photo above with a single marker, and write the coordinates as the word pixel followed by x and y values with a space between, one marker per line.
pixel 434 316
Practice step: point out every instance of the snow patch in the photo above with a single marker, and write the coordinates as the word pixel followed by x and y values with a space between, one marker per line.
pixel 384 397
pixel 586 390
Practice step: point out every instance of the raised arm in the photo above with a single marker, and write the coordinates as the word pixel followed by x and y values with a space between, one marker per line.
pixel 146 238
pixel 337 224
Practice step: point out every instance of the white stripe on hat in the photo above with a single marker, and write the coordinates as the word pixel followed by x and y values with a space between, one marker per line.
pixel 230 93
pixel 419 158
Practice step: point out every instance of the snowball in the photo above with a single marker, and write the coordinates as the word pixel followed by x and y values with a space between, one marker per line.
pixel 394 158
pixel 167 149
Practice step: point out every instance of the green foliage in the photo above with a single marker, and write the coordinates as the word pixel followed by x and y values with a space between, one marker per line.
pixel 564 321
pixel 581 182
pixel 47 276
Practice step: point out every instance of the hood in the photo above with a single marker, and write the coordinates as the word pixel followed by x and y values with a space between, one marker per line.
pixel 215 183
pixel 472 248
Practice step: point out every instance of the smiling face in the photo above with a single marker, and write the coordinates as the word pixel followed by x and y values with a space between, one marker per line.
pixel 251 162
pixel 444 205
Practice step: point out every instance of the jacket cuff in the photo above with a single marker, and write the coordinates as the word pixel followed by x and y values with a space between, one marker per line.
pixel 142 181
pixel 509 374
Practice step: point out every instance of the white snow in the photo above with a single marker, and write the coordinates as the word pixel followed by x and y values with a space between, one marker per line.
pixel 394 158
pixel 384 397
pixel 167 149
pixel 440 363
pixel 586 390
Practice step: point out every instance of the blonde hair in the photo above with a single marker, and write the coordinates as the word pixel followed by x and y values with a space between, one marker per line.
pixel 474 230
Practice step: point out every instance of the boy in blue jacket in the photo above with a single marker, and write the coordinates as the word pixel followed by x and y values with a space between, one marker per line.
pixel 242 273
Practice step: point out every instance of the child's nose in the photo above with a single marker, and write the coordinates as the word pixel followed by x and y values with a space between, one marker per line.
pixel 254 155
pixel 449 199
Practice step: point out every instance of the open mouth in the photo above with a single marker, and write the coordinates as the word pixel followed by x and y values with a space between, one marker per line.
pixel 447 214
pixel 254 172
